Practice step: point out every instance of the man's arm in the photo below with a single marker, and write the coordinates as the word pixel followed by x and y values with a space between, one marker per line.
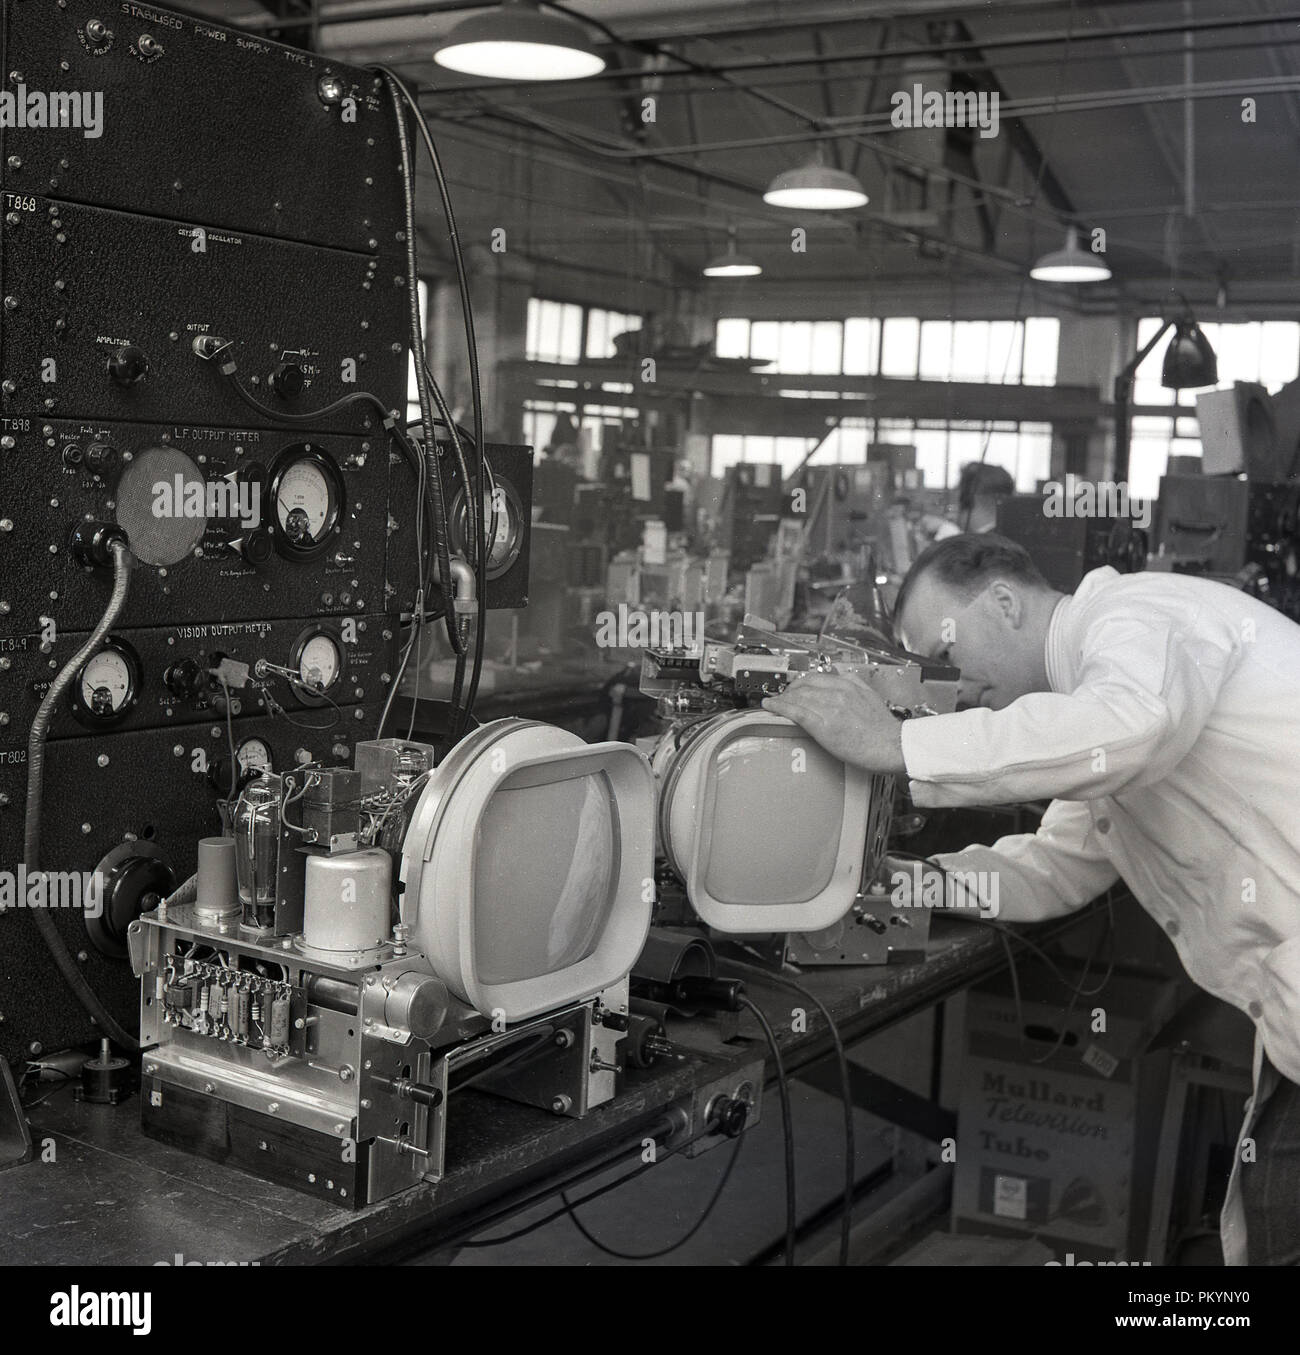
pixel 1034 876
pixel 1146 687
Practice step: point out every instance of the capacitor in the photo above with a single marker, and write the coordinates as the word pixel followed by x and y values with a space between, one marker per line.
pixel 241 1013
pixel 278 1034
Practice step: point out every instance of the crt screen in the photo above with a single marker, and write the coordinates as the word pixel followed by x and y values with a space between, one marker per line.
pixel 776 821
pixel 543 878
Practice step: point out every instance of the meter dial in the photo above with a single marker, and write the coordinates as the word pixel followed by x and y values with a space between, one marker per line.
pixel 318 659
pixel 306 501
pixel 108 684
pixel 503 520
pixel 253 755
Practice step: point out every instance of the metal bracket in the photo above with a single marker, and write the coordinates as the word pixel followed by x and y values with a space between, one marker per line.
pixel 15 1135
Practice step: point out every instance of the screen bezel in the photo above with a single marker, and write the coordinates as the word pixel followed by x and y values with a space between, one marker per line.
pixel 812 914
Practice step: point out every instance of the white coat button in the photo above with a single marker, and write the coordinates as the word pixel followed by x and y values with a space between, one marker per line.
pixel 1256 1009
pixel 1172 927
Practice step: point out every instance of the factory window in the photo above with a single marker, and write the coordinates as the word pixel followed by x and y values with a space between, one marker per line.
pixel 541 418
pixel 942 448
pixel 563 331
pixel 1265 351
pixel 1005 352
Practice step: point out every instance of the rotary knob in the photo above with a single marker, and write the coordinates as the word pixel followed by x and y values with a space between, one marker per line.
pixel 128 365
pixel 288 380
pixel 101 457
pixel 258 546
pixel 184 679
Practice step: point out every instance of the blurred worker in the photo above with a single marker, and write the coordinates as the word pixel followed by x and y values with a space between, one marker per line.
pixel 1161 714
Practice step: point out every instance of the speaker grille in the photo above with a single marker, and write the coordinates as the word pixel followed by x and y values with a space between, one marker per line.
pixel 160 538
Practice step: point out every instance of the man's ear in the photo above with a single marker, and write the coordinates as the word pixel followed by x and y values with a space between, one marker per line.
pixel 1009 602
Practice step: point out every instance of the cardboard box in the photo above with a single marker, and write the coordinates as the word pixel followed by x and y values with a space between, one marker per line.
pixel 1057 1131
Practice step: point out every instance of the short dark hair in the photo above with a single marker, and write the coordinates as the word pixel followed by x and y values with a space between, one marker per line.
pixel 968 564
pixel 979 479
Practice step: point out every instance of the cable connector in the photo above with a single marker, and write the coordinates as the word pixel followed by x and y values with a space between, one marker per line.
pixel 717 995
pixel 231 673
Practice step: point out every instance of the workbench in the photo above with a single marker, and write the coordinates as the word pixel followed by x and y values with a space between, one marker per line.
pixel 112 1197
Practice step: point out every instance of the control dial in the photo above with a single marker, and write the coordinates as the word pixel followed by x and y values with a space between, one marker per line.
pixel 128 365
pixel 185 679
pixel 288 380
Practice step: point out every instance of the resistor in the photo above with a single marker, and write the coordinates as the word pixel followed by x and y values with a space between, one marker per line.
pixel 241 1013
pixel 278 1033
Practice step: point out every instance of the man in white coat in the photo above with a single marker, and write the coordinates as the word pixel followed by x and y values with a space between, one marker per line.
pixel 1161 715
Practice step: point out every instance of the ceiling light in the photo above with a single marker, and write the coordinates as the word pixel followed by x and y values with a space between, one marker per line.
pixel 731 264
pixel 516 41
pixel 816 187
pixel 1071 264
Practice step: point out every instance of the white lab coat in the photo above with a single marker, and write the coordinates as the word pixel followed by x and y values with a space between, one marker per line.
pixel 1170 746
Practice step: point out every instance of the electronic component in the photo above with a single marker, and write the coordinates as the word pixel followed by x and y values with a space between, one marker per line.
pixel 103 1078
pixel 338 1009
pixel 108 684
pixel 762 661
pixel 766 831
pixel 1067 548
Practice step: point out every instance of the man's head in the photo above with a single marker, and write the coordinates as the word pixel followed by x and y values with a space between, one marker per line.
pixel 980 489
pixel 979 603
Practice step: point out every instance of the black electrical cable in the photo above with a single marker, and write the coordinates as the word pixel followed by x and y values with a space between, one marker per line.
pixel 562 1211
pixel 1003 927
pixel 417 347
pixel 123 562
pixel 846 1094
pixel 224 356
pixel 472 351
pixel 787 1124
pixel 699 1223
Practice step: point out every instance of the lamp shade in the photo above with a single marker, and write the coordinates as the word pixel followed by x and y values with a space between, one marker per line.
pixel 516 41
pixel 816 187
pixel 1071 264
pixel 1189 359
pixel 732 264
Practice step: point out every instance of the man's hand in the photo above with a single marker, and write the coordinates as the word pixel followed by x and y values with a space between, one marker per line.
pixel 846 717
pixel 913 883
